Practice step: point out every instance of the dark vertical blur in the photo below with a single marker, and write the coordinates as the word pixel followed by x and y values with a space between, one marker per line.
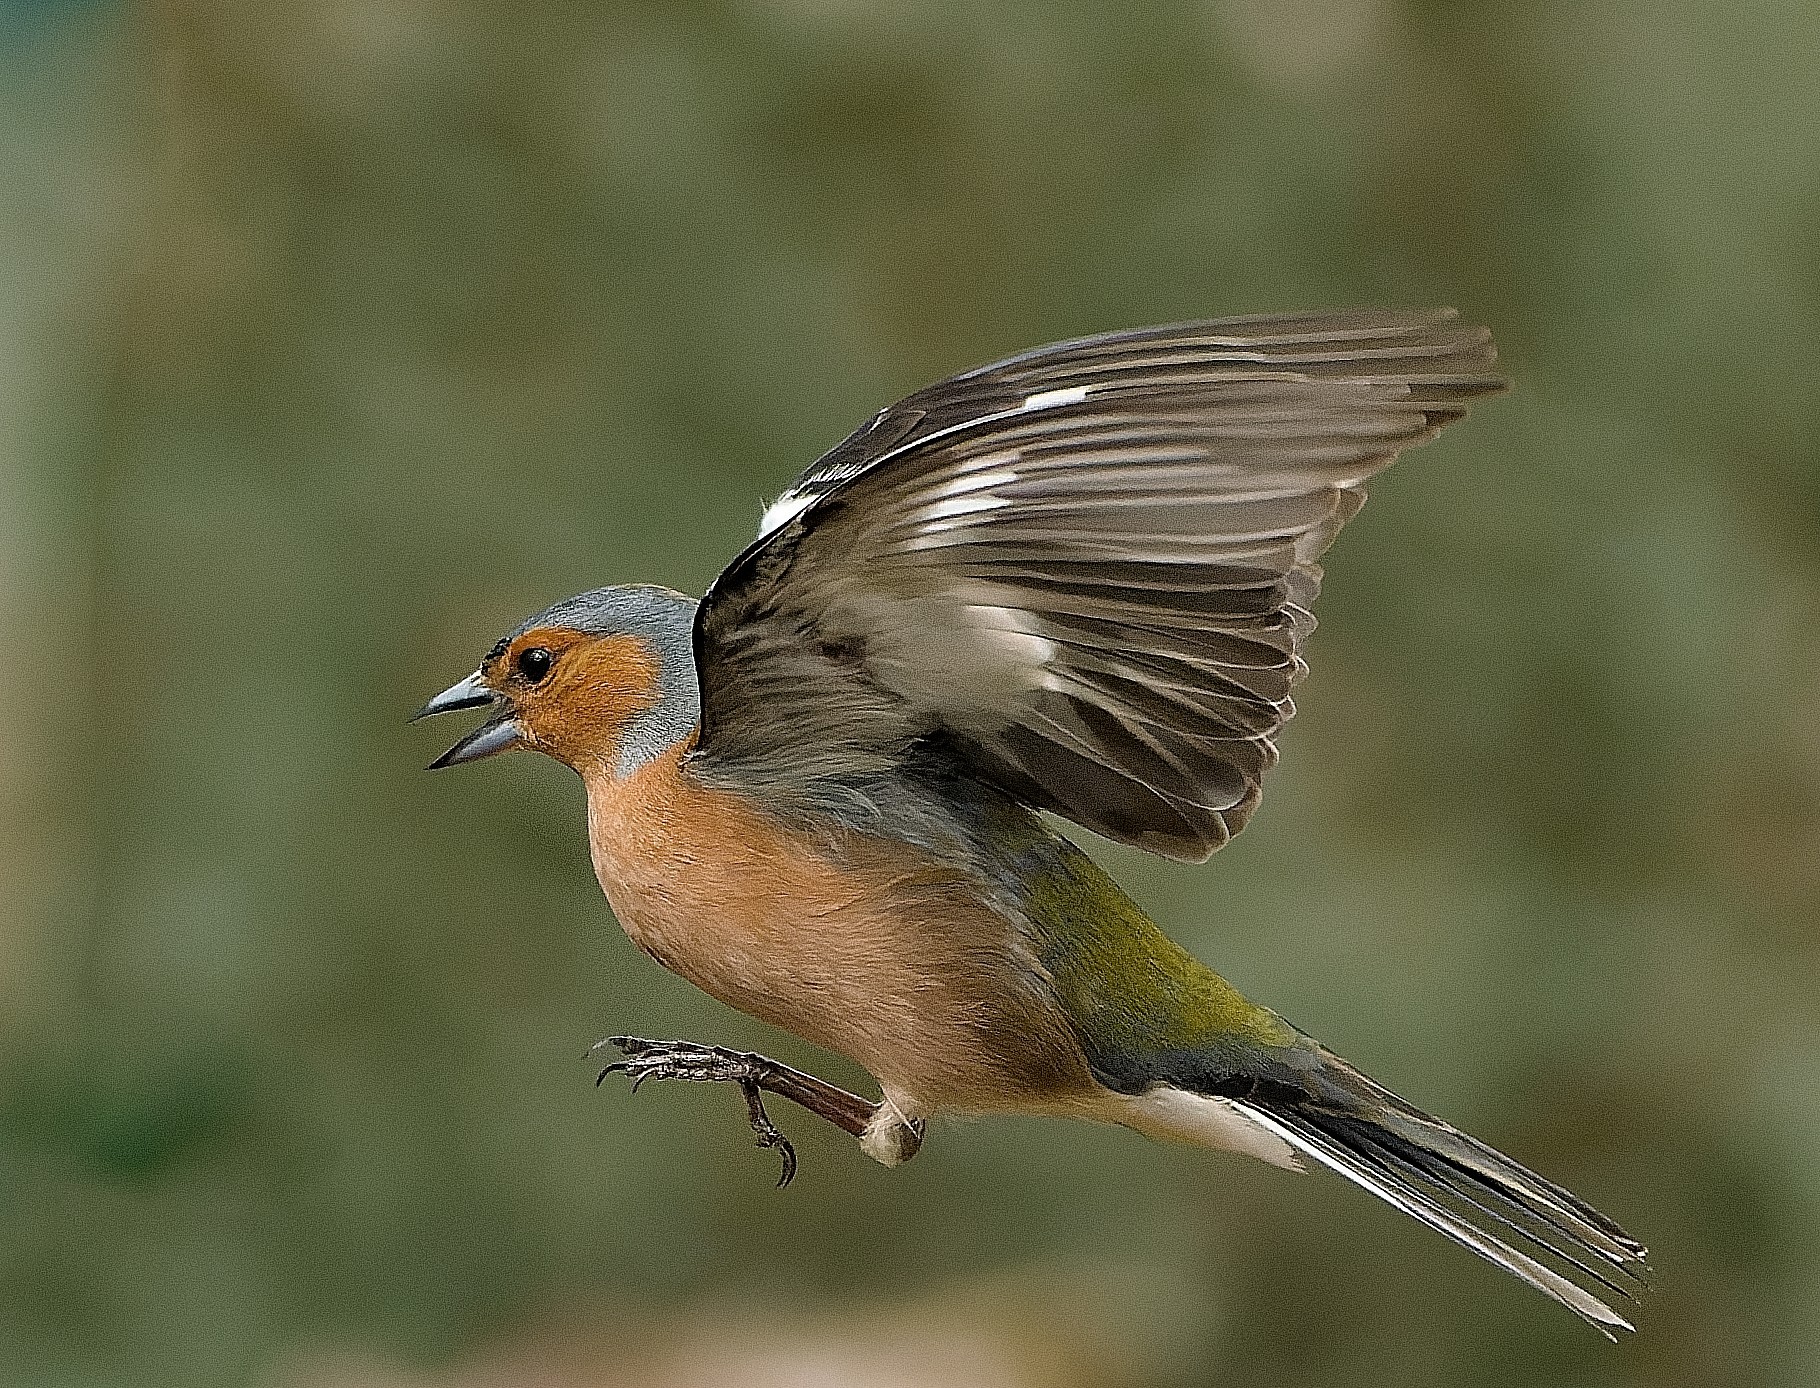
pixel 338 334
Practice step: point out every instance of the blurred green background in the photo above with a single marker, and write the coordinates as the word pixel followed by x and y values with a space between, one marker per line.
pixel 335 336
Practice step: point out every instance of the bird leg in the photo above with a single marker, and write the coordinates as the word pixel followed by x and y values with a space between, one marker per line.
pixel 883 1133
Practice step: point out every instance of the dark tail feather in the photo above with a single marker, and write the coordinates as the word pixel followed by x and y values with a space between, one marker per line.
pixel 1457 1185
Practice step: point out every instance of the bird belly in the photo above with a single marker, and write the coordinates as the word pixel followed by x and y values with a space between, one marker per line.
pixel 860 945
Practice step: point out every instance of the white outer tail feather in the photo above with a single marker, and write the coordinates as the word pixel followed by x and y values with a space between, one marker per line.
pixel 1443 1220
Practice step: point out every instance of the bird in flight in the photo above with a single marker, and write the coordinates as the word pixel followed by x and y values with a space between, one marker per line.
pixel 1075 582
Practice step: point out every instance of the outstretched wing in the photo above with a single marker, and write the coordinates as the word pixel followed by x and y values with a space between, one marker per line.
pixel 1088 567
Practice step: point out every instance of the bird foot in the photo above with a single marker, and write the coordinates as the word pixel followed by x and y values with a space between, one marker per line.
pixel 754 1074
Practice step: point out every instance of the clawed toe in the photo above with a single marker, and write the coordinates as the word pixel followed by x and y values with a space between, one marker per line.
pixel 756 1075
pixel 768 1133
pixel 679 1060
pixel 686 1060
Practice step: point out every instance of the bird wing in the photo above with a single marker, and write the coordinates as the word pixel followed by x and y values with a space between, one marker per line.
pixel 1088 567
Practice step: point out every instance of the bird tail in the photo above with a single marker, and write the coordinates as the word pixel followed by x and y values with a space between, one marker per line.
pixel 1336 1116
pixel 1303 1101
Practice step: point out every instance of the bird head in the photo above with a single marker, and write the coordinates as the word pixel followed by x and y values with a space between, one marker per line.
pixel 602 682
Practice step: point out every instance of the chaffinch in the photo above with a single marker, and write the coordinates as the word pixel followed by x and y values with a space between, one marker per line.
pixel 1075 581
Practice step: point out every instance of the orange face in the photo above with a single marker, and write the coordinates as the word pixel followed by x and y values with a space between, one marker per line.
pixel 572 694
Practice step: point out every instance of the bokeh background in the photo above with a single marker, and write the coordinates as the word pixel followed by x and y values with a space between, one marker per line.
pixel 337 335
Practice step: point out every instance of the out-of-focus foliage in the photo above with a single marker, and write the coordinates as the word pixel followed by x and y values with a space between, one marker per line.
pixel 338 334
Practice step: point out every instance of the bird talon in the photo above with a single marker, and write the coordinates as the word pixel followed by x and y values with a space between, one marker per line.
pixel 685 1060
pixel 766 1133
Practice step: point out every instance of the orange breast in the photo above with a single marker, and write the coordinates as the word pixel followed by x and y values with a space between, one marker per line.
pixel 858 944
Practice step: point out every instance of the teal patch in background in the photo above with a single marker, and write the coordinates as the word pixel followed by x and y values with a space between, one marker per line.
pixel 23 18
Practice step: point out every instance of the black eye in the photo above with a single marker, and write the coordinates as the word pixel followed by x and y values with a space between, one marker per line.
pixel 534 663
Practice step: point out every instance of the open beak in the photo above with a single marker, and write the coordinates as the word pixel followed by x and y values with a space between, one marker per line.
pixel 500 733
